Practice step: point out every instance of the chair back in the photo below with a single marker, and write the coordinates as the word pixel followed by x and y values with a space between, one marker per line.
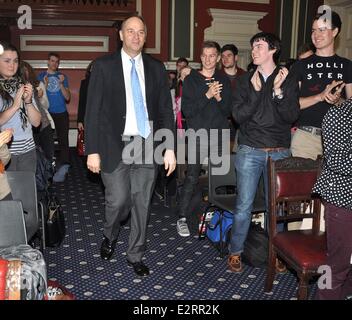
pixel 12 224
pixel 220 181
pixel 290 195
pixel 23 188
pixel 291 181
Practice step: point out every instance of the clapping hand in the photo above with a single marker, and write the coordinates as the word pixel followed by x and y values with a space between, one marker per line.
pixel 17 101
pixel 257 84
pixel 61 78
pixel 214 90
pixel 28 92
pixel 280 78
pixel 5 136
pixel 332 92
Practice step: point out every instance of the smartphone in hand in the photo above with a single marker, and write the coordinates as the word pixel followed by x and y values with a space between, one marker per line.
pixel 337 87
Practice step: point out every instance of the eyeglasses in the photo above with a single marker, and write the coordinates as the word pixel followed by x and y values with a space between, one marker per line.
pixel 321 30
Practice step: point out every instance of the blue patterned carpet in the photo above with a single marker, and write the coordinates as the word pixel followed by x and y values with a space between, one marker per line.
pixel 181 268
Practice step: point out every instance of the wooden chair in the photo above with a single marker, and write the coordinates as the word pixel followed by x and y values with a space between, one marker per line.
pixel 290 199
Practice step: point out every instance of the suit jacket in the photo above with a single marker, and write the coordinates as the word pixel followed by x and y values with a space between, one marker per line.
pixel 106 106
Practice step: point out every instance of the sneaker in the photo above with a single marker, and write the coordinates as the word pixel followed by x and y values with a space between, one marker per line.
pixel 280 266
pixel 182 228
pixel 234 263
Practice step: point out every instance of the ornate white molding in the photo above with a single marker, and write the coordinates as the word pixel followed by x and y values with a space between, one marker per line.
pixel 83 64
pixel 171 65
pixel 234 26
pixel 61 22
pixel 24 39
pixel 64 64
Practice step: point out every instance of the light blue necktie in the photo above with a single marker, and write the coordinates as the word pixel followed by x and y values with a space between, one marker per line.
pixel 141 116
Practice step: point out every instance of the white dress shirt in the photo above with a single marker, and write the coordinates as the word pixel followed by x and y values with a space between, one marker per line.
pixel 131 128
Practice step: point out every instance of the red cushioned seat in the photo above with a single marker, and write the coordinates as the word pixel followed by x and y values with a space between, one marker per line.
pixel 290 199
pixel 308 249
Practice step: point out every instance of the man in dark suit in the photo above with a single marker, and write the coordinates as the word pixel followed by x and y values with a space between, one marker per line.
pixel 128 91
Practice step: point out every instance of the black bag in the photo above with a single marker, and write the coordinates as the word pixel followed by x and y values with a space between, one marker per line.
pixel 256 247
pixel 213 231
pixel 44 172
pixel 55 223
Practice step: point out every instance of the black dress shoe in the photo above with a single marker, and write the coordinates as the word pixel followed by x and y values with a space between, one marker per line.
pixel 107 248
pixel 139 268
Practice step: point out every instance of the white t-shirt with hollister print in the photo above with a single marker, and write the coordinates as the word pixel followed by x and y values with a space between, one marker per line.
pixel 315 73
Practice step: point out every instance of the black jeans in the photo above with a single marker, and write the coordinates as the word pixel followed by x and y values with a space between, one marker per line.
pixel 194 167
pixel 62 126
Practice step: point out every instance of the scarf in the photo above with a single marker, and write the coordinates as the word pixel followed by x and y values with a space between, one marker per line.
pixel 11 86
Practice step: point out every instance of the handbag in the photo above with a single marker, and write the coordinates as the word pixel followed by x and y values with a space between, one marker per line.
pixel 55 223
pixel 80 142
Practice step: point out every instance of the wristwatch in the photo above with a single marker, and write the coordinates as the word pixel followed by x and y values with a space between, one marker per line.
pixel 278 96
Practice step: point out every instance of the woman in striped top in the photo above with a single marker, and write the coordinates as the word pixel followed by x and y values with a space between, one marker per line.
pixel 18 110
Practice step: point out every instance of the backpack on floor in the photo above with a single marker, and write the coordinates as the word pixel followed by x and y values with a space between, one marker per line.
pixel 256 247
pixel 219 230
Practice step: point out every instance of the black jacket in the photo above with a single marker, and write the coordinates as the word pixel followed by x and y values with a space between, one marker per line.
pixel 106 106
pixel 201 112
pixel 265 121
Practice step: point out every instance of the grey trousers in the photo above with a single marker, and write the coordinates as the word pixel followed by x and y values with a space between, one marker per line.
pixel 129 189
pixel 24 162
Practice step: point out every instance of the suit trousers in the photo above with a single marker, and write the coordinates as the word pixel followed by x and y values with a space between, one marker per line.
pixel 128 190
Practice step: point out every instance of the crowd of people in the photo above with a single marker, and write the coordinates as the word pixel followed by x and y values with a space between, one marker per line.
pixel 302 109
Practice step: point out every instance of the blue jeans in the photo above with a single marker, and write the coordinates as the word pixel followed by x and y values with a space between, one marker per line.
pixel 250 164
